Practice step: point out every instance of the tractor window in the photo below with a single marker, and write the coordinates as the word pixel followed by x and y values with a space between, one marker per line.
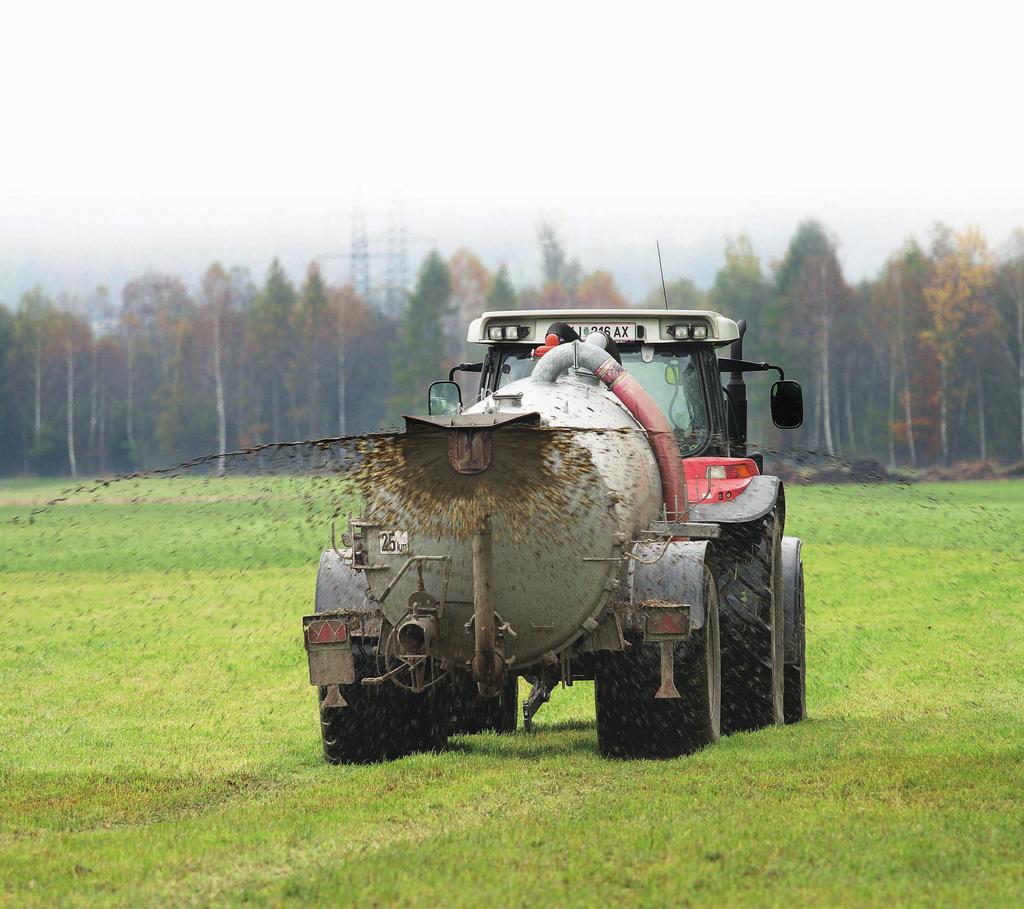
pixel 514 363
pixel 673 380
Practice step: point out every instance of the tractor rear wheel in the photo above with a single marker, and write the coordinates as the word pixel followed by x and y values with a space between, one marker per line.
pixel 381 722
pixel 472 713
pixel 632 723
pixel 795 695
pixel 751 602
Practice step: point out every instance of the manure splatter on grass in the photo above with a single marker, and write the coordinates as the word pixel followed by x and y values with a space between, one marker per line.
pixel 546 473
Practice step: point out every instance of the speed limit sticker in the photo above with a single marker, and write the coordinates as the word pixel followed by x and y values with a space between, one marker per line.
pixel 392 541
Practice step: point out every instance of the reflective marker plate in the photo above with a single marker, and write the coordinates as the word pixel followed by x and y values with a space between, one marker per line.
pixel 617 331
pixel 392 541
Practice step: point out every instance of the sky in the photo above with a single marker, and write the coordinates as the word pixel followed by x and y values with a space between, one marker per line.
pixel 168 135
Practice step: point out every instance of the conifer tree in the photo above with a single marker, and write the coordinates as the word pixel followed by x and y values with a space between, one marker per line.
pixel 502 295
pixel 422 344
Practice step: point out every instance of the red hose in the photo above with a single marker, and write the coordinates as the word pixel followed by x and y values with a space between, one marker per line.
pixel 659 433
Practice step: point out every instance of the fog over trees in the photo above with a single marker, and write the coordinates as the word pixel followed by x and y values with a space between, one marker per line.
pixel 922 365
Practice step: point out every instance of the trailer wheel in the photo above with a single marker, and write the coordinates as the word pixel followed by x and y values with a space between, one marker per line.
pixel 632 723
pixel 795 695
pixel 751 602
pixel 471 713
pixel 381 722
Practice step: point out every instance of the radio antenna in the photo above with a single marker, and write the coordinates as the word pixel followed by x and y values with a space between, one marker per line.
pixel 664 289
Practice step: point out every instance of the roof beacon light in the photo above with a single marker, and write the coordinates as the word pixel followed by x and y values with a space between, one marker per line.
pixel 550 341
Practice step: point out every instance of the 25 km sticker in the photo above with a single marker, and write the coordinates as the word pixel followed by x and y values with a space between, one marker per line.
pixel 392 541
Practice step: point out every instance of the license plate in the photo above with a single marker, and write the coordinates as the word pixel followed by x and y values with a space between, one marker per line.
pixel 392 541
pixel 617 331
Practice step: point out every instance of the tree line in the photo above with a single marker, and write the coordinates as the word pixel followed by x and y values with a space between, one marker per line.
pixel 922 365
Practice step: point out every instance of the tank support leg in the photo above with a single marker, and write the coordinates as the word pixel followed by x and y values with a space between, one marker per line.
pixel 540 694
pixel 488 665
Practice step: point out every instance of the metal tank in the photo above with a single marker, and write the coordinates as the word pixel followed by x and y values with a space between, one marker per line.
pixel 561 498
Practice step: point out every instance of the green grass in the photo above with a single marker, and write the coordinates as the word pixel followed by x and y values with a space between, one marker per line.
pixel 159 743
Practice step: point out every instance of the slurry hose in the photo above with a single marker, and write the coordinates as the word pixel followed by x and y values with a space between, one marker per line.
pixel 590 354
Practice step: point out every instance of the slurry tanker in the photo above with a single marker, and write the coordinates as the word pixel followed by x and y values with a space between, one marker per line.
pixel 588 511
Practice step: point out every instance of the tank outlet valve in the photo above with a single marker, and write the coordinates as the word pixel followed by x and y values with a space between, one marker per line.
pixel 415 636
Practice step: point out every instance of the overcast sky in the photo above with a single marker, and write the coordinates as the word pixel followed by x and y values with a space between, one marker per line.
pixel 166 135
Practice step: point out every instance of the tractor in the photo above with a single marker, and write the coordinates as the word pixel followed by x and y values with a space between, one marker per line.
pixel 587 510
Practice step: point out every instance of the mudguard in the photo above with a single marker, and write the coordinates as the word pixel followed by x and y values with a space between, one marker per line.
pixel 341 587
pixel 794 648
pixel 759 498
pixel 670 573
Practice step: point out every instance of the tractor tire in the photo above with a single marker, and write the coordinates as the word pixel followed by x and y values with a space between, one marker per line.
pixel 471 713
pixel 381 722
pixel 750 600
pixel 632 723
pixel 795 693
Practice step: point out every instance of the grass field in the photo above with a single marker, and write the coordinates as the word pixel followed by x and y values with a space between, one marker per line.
pixel 159 741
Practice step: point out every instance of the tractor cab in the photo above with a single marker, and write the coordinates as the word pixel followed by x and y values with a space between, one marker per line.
pixel 674 354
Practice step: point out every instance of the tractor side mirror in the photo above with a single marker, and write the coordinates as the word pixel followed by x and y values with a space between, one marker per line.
pixel 787 404
pixel 444 398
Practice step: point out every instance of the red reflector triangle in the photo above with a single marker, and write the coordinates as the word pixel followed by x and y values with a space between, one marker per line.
pixel 330 631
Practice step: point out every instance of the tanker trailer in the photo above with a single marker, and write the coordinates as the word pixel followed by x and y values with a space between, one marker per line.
pixel 592 513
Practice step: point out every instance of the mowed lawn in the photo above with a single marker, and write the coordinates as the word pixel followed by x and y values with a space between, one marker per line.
pixel 159 740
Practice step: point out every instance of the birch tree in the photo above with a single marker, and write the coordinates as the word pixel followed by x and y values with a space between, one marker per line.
pixel 351 315
pixel 811 291
pixel 69 367
pixel 216 299
pixel 34 316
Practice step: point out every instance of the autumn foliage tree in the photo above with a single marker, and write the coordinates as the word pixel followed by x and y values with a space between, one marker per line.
pixel 923 363
pixel 955 296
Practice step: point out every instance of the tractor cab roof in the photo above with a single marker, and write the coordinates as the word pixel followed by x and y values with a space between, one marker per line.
pixel 625 326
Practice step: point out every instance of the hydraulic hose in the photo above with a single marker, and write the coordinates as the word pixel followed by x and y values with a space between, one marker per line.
pixel 634 397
